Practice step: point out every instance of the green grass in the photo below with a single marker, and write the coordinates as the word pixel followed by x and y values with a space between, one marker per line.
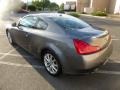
pixel 99 13
pixel 75 14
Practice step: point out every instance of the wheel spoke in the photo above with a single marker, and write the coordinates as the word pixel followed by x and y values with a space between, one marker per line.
pixel 47 56
pixel 54 69
pixel 55 65
pixel 47 60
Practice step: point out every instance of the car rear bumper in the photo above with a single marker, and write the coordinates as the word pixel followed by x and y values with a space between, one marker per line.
pixel 88 62
pixel 94 60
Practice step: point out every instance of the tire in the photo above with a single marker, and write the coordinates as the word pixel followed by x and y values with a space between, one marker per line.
pixel 52 64
pixel 10 39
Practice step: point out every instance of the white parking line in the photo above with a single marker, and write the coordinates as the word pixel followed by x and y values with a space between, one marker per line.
pixel 114 61
pixel 108 72
pixel 21 65
pixel 115 39
pixel 113 36
pixel 16 55
pixel 2 34
pixel 42 67
pixel 6 54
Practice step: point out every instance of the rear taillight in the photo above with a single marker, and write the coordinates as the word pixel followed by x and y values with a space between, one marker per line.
pixel 85 48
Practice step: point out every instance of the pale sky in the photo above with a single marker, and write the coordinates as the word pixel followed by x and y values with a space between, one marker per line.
pixel 61 1
pixel 57 1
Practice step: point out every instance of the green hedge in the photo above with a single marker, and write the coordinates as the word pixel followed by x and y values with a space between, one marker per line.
pixel 61 11
pixel 99 13
pixel 75 14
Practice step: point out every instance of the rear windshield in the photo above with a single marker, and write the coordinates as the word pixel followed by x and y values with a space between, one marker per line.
pixel 69 22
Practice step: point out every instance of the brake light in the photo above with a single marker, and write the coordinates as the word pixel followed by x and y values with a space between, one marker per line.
pixel 85 48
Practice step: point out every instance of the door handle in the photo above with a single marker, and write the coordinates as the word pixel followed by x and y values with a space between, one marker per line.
pixel 26 35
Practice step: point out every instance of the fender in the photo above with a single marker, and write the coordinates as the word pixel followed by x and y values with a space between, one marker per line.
pixel 58 52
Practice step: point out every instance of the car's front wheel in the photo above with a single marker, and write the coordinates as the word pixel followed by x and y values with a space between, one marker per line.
pixel 10 39
pixel 52 63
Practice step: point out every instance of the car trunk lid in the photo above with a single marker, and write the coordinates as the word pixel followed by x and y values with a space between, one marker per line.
pixel 94 37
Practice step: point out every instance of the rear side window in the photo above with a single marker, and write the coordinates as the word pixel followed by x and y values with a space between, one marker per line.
pixel 69 22
pixel 41 24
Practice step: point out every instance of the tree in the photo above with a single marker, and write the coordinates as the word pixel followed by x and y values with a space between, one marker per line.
pixel 45 4
pixel 54 6
pixel 37 4
pixel 62 7
pixel 31 8
pixel 24 6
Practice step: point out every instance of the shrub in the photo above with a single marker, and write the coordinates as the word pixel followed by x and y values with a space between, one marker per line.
pixel 39 9
pixel 99 13
pixel 84 13
pixel 61 11
pixel 32 8
pixel 75 14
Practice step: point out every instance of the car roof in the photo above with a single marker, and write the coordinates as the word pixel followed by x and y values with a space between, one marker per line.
pixel 50 15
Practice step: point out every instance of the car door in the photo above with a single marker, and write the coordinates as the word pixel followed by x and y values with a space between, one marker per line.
pixel 37 36
pixel 23 32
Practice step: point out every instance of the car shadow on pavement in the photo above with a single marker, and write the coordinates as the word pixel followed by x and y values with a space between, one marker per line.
pixel 94 81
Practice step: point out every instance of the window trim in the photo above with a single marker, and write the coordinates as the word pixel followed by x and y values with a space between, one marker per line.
pixel 39 18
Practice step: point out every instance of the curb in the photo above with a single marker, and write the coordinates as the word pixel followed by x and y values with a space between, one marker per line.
pixel 103 17
pixel 109 18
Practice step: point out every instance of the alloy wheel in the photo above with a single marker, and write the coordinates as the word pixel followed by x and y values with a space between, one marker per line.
pixel 51 64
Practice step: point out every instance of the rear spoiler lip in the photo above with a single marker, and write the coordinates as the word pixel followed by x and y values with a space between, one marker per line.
pixel 101 35
pixel 106 33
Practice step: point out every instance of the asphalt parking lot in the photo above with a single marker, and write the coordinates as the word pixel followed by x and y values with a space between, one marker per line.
pixel 21 71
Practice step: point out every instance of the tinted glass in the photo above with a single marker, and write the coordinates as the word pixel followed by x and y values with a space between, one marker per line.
pixel 28 22
pixel 69 22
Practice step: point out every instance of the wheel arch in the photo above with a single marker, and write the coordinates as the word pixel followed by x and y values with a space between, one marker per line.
pixel 55 50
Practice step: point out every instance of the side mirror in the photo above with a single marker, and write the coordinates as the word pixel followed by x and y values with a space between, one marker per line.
pixel 14 24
